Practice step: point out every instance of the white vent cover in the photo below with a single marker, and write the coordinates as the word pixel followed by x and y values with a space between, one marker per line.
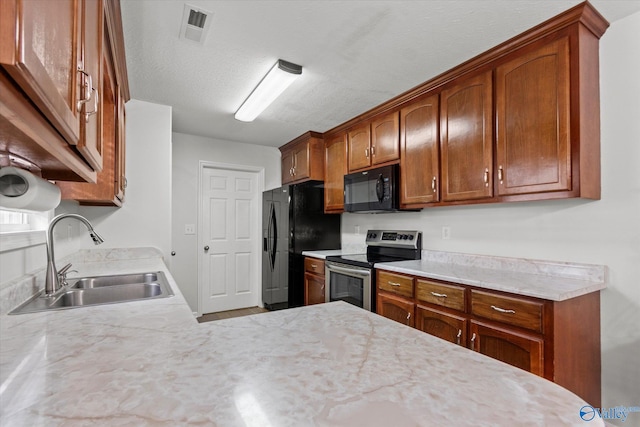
pixel 195 24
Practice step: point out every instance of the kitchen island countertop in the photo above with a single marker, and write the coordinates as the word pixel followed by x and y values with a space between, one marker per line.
pixel 151 363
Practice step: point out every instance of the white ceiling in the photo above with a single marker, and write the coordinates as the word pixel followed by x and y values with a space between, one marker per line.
pixel 355 55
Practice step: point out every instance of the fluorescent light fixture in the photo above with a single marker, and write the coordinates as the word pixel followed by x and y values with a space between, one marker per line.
pixel 281 75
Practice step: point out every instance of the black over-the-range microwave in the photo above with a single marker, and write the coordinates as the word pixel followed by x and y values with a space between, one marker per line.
pixel 374 190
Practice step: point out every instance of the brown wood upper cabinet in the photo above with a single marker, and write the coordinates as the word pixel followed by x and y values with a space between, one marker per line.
pixel 60 75
pixel 466 138
pixel 335 167
pixel 374 143
pixel 419 153
pixel 110 185
pixel 52 87
pixel 532 121
pixel 303 159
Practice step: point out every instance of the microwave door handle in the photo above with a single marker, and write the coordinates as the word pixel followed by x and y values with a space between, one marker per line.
pixel 380 188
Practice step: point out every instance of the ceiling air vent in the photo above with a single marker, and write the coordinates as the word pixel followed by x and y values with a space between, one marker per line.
pixel 195 24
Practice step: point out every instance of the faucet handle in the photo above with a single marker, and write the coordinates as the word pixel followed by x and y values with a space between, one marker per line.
pixel 62 274
pixel 64 269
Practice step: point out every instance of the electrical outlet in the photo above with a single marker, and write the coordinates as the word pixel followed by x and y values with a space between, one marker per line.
pixel 446 233
pixel 189 229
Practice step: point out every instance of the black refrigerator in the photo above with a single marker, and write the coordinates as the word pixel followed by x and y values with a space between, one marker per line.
pixel 293 220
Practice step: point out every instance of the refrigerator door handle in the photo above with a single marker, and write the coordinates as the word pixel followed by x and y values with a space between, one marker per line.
pixel 274 227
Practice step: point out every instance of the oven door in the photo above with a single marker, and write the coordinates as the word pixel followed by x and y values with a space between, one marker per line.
pixel 348 283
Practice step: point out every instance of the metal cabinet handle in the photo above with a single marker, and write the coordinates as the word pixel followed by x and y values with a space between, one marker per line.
pixel 408 317
pixel 502 310
pixel 458 336
pixel 88 87
pixel 96 99
pixel 500 174
pixel 435 294
pixel 206 248
pixel 473 340
pixel 373 150
pixel 394 283
pixel 366 153
pixel 314 266
pixel 486 177
pixel 433 184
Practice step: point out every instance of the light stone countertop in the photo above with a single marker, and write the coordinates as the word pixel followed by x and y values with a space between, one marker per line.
pixel 324 254
pixel 551 280
pixel 150 363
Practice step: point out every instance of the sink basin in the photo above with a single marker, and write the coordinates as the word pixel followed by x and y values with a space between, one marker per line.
pixel 89 291
pixel 122 279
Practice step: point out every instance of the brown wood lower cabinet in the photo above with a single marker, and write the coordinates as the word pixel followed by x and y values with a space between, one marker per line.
pixel 314 283
pixel 521 350
pixel 396 308
pixel 557 340
pixel 450 327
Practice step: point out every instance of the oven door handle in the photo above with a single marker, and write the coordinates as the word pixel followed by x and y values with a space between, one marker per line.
pixel 350 271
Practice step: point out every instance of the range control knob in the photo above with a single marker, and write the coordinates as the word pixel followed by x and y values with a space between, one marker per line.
pixel 410 236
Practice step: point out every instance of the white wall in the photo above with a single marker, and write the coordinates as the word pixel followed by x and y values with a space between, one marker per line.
pixel 597 232
pixel 188 150
pixel 145 217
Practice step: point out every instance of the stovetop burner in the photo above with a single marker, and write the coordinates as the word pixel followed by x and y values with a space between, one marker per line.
pixel 385 246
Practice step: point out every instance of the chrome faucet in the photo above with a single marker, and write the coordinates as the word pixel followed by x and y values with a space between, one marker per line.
pixel 52 279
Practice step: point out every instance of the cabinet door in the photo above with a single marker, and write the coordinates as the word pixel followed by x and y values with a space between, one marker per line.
pixel 301 162
pixel 90 144
pixel 466 139
pixel 442 325
pixel 335 168
pixel 120 170
pixel 523 351
pixel 313 289
pixel 39 48
pixel 359 140
pixel 385 145
pixel 419 172
pixel 532 113
pixel 287 167
pixel 395 308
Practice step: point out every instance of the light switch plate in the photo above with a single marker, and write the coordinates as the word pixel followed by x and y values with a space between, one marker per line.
pixel 189 229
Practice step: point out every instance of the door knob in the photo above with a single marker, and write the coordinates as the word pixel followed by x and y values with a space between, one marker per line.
pixel 206 248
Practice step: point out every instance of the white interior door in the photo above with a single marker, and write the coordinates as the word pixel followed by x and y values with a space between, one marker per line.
pixel 230 239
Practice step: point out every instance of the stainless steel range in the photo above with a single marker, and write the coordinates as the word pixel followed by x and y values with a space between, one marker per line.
pixel 351 278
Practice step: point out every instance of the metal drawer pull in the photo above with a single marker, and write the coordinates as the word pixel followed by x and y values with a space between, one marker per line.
pixel 502 310
pixel 473 340
pixel 458 336
pixel 314 266
pixel 435 294
pixel 394 283
pixel 433 184
pixel 408 317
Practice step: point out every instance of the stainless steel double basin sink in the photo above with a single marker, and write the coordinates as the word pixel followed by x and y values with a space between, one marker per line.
pixel 98 290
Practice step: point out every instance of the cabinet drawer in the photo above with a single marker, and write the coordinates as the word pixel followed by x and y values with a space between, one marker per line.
pixel 510 310
pixel 395 283
pixel 440 294
pixel 314 265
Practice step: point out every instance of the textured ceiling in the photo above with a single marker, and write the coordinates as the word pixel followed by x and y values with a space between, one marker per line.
pixel 355 55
